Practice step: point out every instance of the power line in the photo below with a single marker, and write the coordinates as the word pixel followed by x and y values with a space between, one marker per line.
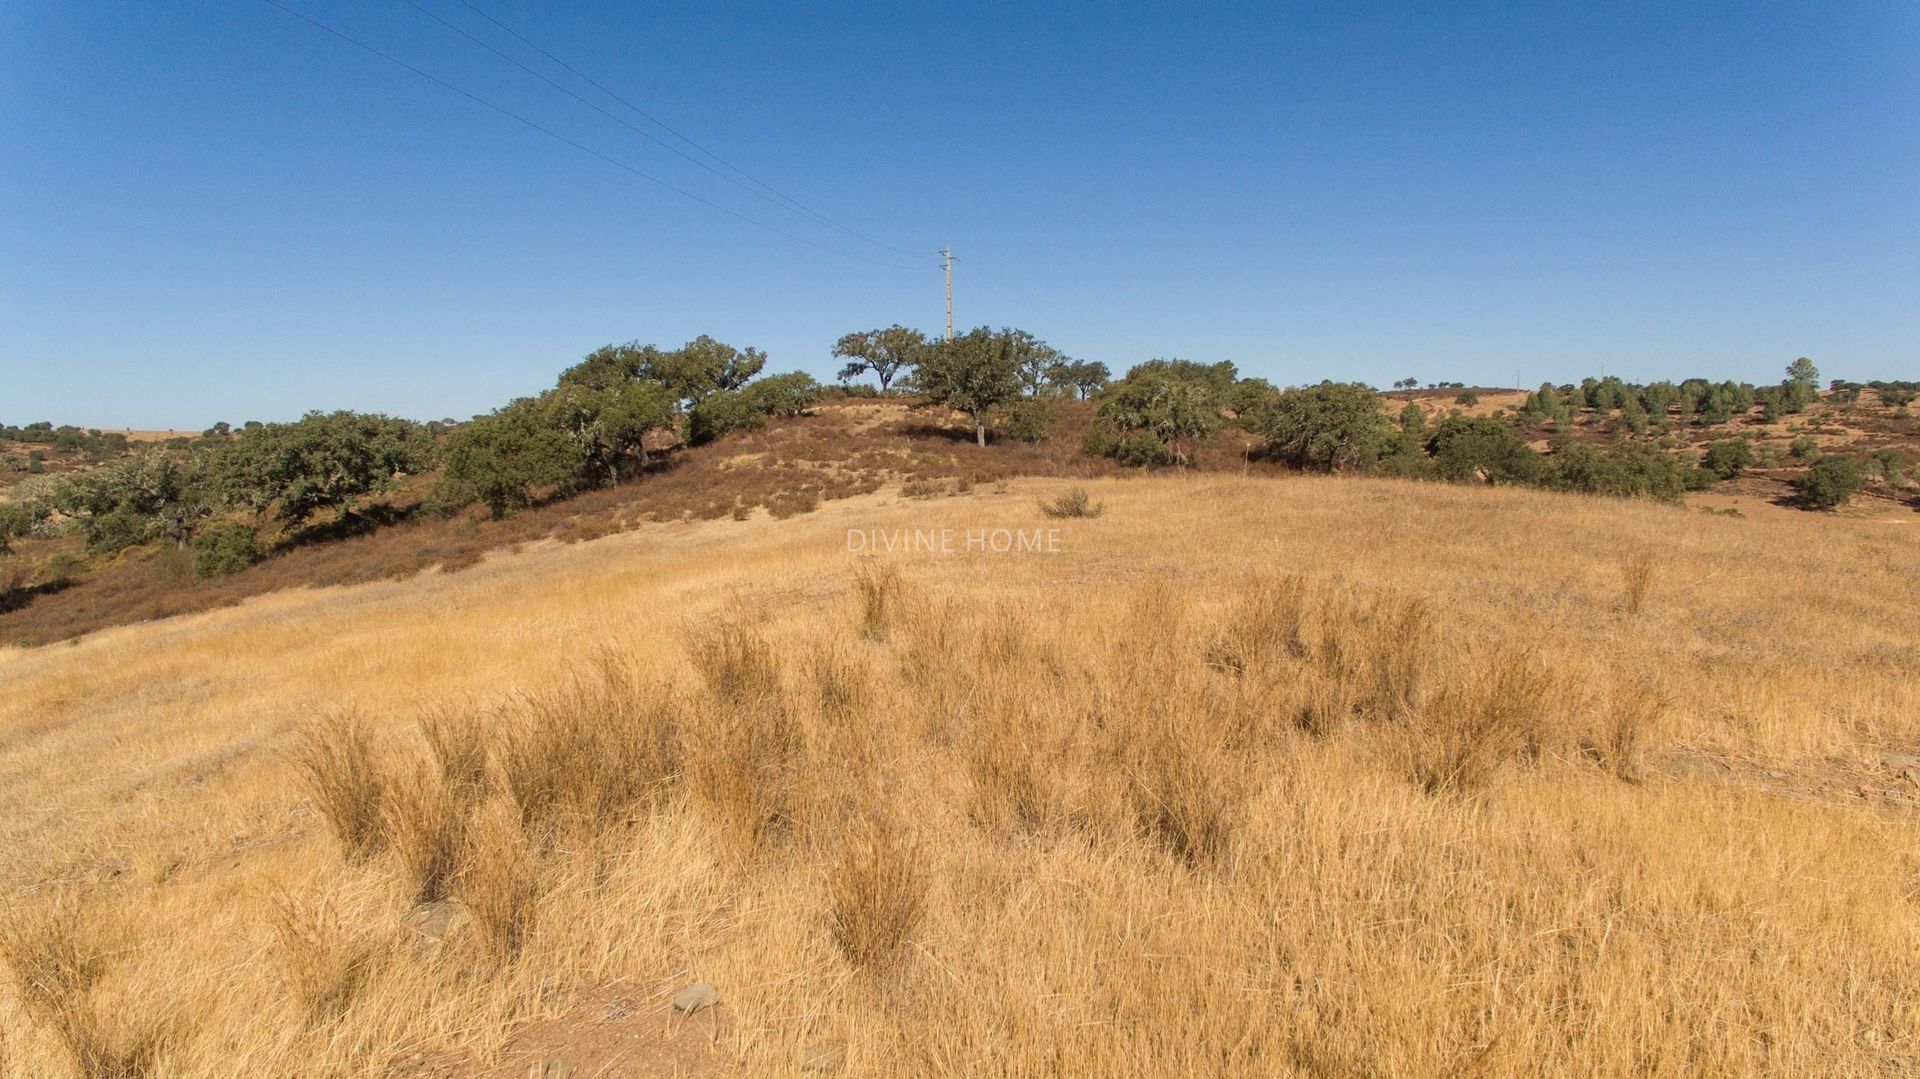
pixel 583 148
pixel 622 121
pixel 771 193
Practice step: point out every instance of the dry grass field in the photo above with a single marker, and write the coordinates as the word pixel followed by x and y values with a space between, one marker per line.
pixel 1253 776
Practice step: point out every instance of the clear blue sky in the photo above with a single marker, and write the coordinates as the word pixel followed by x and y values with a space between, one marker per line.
pixel 212 210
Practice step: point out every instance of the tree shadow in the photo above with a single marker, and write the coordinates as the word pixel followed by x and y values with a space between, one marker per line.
pixel 13 599
pixel 360 522
pixel 929 432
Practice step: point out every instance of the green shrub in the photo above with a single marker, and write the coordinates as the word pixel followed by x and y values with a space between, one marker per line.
pixel 1727 458
pixel 1481 448
pixel 1831 482
pixel 1142 450
pixel 118 530
pixel 1468 398
pixel 1029 419
pixel 1804 447
pixel 224 547
pixel 1629 470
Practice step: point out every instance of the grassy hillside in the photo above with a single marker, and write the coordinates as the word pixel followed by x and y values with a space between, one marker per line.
pixel 1252 776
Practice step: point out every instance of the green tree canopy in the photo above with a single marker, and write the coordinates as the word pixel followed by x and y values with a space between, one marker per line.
pixel 1483 449
pixel 887 353
pixel 1173 410
pixel 1081 378
pixel 700 367
pixel 500 459
pixel 325 460
pixel 1330 426
pixel 977 372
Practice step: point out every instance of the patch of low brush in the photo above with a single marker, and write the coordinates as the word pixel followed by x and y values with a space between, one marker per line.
pixel 1075 502
pixel 877 896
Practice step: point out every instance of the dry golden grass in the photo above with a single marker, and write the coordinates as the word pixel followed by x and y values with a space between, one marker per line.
pixel 1300 776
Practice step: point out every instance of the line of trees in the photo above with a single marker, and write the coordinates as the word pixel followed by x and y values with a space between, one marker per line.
pixel 608 417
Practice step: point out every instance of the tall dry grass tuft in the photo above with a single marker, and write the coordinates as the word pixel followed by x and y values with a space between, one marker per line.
pixel 735 661
pixel 1266 625
pixel 590 750
pixel 1020 768
pixel 744 745
pixel 498 882
pixel 744 765
pixel 1636 572
pixel 842 683
pixel 877 896
pixel 1186 791
pixel 1498 711
pixel 58 955
pixel 421 820
pixel 877 587
pixel 335 759
pixel 457 740
pixel 1626 722
pixel 326 962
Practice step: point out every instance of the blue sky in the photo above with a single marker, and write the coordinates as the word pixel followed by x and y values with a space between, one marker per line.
pixel 212 210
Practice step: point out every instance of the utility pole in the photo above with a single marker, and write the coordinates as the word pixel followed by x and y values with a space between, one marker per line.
pixel 946 253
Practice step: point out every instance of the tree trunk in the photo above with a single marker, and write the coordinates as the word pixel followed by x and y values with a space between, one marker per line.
pixel 980 431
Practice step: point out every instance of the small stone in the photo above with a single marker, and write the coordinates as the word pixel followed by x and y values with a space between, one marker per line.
pixel 695 997
pixel 433 920
pixel 824 1057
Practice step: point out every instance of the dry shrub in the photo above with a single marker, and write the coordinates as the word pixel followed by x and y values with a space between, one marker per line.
pixel 325 962
pixel 1267 624
pixel 421 821
pixel 877 897
pixel 498 882
pixel 1473 726
pixel 57 954
pixel 1636 572
pixel 335 761
pixel 1074 503
pixel 877 586
pixel 589 750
